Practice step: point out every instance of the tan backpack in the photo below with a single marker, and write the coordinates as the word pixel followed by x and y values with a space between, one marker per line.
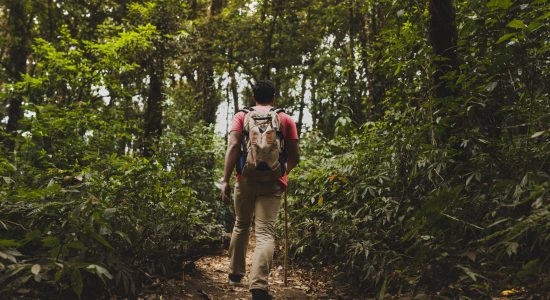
pixel 262 154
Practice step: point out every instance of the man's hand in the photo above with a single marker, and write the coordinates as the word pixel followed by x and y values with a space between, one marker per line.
pixel 225 192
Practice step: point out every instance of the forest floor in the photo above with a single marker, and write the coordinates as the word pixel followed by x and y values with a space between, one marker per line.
pixel 208 280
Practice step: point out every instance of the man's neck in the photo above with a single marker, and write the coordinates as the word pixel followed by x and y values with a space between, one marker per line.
pixel 264 105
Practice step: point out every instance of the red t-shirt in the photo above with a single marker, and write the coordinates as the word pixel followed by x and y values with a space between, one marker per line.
pixel 290 132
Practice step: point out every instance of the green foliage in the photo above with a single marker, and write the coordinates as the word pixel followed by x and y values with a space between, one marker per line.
pixel 392 212
pixel 112 175
pixel 82 213
pixel 72 213
pixel 449 195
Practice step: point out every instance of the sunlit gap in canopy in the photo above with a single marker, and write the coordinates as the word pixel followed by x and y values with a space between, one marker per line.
pixel 226 108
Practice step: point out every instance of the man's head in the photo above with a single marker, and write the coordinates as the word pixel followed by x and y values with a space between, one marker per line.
pixel 264 92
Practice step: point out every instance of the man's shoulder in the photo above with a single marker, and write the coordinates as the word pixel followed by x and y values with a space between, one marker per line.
pixel 240 114
pixel 285 117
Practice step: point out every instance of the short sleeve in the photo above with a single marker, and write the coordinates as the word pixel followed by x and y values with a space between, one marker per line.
pixel 238 122
pixel 289 128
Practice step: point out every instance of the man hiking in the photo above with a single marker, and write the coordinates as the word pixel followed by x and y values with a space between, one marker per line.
pixel 263 145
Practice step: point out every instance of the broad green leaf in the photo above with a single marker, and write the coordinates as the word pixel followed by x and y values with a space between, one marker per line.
pixel 76 245
pixel 50 242
pixel 8 180
pixel 491 86
pixel 6 255
pixel 13 252
pixel 32 235
pixel 9 243
pixel 537 134
pixel 535 25
pixel 544 16
pixel 506 37
pixel 530 269
pixel 499 4
pixel 518 24
pixel 124 236
pixel 100 239
pixel 99 270
pixel 76 281
pixel 469 272
pixel 469 179
pixel 58 274
pixel 35 269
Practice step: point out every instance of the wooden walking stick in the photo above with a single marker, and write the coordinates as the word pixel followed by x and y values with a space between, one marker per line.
pixel 285 264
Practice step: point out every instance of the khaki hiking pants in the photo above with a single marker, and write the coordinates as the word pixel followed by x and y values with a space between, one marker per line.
pixel 261 200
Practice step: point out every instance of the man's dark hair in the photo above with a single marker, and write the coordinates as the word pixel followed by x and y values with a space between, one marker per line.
pixel 264 91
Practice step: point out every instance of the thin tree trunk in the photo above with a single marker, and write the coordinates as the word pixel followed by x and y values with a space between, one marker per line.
pixel 443 38
pixel 302 104
pixel 206 75
pixel 193 9
pixel 375 79
pixel 314 105
pixel 51 23
pixel 354 98
pixel 215 7
pixel 267 53
pixel 207 91
pixel 126 107
pixel 234 91
pixel 227 118
pixel 364 44
pixel 153 111
pixel 17 62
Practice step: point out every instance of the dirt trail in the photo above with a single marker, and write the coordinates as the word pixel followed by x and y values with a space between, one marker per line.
pixel 208 280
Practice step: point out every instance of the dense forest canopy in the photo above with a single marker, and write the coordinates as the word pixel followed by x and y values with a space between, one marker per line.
pixel 425 164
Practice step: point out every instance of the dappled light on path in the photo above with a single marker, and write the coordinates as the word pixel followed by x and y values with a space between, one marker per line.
pixel 208 280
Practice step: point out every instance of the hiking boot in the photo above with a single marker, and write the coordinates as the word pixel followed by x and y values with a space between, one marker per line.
pixel 235 280
pixel 258 294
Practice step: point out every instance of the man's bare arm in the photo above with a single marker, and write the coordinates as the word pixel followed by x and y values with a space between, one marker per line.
pixel 231 156
pixel 293 154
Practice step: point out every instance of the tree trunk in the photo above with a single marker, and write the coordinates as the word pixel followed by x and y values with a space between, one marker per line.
pixel 234 91
pixel 267 52
pixel 16 62
pixel 443 37
pixel 354 98
pixel 302 104
pixel 314 105
pixel 126 105
pixel 193 9
pixel 364 46
pixel 51 23
pixel 375 79
pixel 153 112
pixel 206 74
pixel 215 7
pixel 208 93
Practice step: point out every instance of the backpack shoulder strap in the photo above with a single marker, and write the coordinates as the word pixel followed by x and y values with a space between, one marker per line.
pixel 246 109
pixel 277 110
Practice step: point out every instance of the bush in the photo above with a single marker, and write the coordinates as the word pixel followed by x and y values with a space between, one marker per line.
pixel 394 212
pixel 76 217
